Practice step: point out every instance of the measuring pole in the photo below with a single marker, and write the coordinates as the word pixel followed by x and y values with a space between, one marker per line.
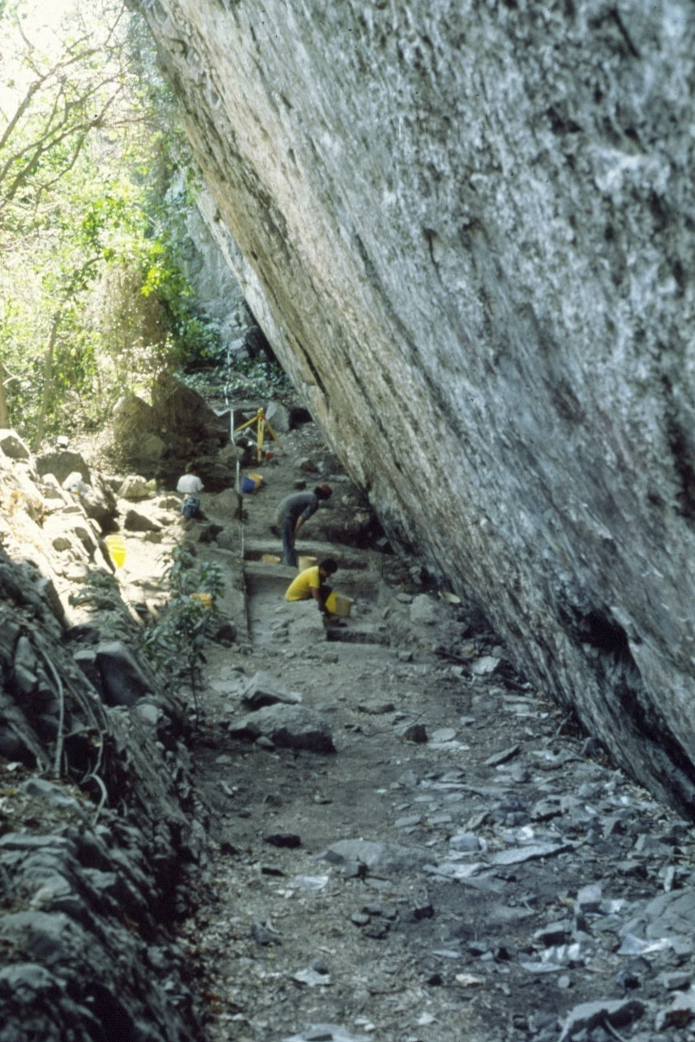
pixel 237 487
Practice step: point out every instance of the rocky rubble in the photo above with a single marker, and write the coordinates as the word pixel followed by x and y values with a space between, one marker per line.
pixel 384 831
pixel 530 891
pixel 100 828
pixel 463 862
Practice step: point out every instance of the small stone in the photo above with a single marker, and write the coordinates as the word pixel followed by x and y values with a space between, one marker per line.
pixel 502 757
pixel 485 666
pixel 465 842
pixel 359 918
pixel 589 899
pixel 283 839
pixel 263 934
pixel 376 929
pixel 554 933
pixel 415 733
pixel 375 708
pixel 311 978
pixel 676 980
pixel 423 610
pixel 408 821
pixel 520 774
pixel 443 734
pixel 588 1015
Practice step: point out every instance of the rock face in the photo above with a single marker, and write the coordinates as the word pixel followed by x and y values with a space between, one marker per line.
pixel 95 865
pixel 467 231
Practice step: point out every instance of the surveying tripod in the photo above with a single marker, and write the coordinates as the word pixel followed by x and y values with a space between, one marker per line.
pixel 261 423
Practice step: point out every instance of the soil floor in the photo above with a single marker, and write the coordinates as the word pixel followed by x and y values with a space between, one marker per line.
pixel 466 865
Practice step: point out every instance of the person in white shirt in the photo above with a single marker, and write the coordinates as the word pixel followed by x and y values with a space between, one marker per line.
pixel 190 484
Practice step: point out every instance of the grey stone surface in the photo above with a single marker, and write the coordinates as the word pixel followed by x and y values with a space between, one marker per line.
pixel 124 678
pixel 83 886
pixel 289 726
pixel 13 446
pixel 386 858
pixel 617 1012
pixel 467 231
pixel 263 689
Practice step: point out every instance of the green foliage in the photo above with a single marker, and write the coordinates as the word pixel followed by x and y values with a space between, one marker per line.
pixel 241 378
pixel 93 300
pixel 175 643
pixel 99 588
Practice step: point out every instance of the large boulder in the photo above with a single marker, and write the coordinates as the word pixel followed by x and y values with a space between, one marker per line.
pixel 13 446
pixel 62 463
pixel 182 412
pixel 132 418
pixel 123 678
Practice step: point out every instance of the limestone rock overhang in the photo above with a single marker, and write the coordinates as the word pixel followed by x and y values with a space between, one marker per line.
pixel 467 231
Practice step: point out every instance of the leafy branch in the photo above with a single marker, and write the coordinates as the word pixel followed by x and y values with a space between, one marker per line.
pixel 175 643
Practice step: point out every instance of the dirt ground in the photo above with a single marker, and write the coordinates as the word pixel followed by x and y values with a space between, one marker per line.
pixel 461 866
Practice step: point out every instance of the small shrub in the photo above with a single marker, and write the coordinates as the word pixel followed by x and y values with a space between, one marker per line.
pixel 175 643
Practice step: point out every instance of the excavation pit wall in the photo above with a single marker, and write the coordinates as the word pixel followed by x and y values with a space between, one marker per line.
pixel 297 625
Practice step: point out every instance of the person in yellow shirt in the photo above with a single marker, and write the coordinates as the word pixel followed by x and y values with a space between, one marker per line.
pixel 312 583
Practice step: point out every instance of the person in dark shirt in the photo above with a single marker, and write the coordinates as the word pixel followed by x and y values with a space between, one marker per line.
pixel 292 512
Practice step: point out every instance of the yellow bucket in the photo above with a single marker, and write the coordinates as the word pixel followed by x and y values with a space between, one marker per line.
pixel 204 598
pixel 117 550
pixel 306 562
pixel 337 604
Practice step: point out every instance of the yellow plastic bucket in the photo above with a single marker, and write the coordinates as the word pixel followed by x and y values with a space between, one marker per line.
pixel 117 550
pixel 338 604
pixel 306 562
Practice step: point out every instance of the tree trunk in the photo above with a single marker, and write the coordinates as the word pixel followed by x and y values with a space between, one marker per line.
pixel 47 382
pixel 4 411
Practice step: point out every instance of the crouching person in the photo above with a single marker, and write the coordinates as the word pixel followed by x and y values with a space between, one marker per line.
pixel 312 583
pixel 189 485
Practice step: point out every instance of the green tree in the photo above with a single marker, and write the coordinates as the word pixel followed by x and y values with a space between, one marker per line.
pixel 92 299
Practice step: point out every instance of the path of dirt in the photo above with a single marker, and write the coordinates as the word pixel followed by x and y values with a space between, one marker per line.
pixel 503 858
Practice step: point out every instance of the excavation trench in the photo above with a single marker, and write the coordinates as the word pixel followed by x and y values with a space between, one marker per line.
pixel 294 626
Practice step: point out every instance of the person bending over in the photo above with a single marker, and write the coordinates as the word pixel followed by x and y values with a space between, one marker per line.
pixel 293 511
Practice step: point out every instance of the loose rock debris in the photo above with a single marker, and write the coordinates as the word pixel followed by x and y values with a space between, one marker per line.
pixel 406 841
pixel 464 865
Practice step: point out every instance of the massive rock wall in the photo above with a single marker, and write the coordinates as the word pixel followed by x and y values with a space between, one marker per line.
pixel 467 229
